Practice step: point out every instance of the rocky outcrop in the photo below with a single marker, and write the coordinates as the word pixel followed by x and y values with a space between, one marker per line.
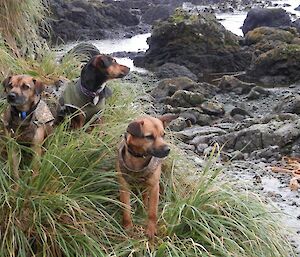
pixel 158 12
pixel 81 20
pixel 279 66
pixel 259 17
pixel 198 42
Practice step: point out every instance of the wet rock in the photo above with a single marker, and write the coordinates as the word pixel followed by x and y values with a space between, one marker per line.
pixel 183 98
pixel 171 70
pixel 233 84
pixel 213 108
pixel 297 8
pixel 86 49
pixel 257 92
pixel 279 66
pixel 259 17
pixel 199 42
pixel 271 151
pixel 289 104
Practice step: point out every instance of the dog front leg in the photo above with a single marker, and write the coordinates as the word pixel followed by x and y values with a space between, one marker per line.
pixel 37 149
pixel 125 199
pixel 152 210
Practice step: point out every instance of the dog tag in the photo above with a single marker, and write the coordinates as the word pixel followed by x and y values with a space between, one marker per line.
pixel 96 100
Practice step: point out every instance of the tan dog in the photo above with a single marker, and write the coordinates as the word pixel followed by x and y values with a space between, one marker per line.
pixel 28 118
pixel 140 157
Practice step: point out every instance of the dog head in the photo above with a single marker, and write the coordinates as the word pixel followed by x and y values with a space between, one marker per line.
pixel 22 91
pixel 100 69
pixel 145 136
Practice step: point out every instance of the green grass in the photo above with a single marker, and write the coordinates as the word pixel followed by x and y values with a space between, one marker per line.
pixel 19 22
pixel 71 208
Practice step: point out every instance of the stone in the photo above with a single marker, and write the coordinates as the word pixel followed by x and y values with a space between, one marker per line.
pixel 171 70
pixel 233 84
pixel 190 133
pixel 259 17
pixel 183 98
pixel 213 108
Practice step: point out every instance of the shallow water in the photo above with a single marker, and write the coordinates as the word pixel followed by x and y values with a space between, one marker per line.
pixel 231 21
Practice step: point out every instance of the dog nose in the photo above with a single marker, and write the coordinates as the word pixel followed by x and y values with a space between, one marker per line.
pixel 166 150
pixel 11 97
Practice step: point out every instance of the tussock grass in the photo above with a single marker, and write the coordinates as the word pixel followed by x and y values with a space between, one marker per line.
pixel 47 67
pixel 71 208
pixel 19 22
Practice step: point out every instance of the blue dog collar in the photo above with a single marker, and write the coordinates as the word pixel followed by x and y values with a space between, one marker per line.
pixel 23 115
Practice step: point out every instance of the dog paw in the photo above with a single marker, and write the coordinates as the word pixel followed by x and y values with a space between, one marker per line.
pixel 151 230
pixel 127 224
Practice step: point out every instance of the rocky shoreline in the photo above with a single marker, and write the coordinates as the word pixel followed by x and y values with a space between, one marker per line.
pixel 239 92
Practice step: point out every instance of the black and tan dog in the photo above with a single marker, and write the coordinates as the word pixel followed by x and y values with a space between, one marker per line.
pixel 140 157
pixel 87 96
pixel 27 118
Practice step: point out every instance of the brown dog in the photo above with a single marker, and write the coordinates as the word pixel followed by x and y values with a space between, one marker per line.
pixel 140 157
pixel 27 118
pixel 87 96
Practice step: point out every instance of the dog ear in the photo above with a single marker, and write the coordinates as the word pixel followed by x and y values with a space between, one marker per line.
pixel 38 86
pixel 6 82
pixel 166 119
pixel 135 128
pixel 102 61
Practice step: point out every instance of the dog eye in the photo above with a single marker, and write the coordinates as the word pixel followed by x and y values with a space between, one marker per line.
pixel 10 86
pixel 149 137
pixel 25 87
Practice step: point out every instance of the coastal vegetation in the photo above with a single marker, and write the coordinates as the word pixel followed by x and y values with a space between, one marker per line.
pixel 71 207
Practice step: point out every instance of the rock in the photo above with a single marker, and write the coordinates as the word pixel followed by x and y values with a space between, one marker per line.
pixel 81 20
pixel 239 111
pixel 171 70
pixel 212 108
pixel 259 17
pixel 297 8
pixel 279 66
pixel 178 124
pixel 201 148
pixel 167 87
pixel 257 92
pixel 86 49
pixel 289 104
pixel 296 24
pixel 199 42
pixel 190 133
pixel 183 98
pixel 232 84
pixel 267 34
pixel 158 12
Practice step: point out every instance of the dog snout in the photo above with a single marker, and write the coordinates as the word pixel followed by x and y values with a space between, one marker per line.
pixel 125 70
pixel 11 97
pixel 161 152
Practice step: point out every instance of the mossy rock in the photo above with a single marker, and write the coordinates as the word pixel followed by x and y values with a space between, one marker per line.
pixel 269 34
pixel 280 65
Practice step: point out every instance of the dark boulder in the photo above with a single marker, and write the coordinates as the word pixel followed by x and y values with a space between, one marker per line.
pixel 289 104
pixel 85 49
pixel 171 70
pixel 81 20
pixel 258 17
pixel 198 42
pixel 297 8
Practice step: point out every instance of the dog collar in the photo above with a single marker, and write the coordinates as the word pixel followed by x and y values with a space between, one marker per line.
pixel 93 95
pixel 24 115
